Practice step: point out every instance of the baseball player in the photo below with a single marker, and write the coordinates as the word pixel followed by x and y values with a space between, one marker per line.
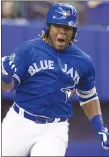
pixel 46 72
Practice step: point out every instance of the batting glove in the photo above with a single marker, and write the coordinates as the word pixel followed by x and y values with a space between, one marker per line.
pixel 8 66
pixel 105 139
pixel 8 69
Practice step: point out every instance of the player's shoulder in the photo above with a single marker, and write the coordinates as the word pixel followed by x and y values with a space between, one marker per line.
pixel 82 61
pixel 27 46
pixel 81 55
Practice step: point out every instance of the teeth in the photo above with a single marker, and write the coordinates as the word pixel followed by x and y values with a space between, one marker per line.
pixel 60 40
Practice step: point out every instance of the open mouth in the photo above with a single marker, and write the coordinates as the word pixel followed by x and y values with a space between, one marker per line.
pixel 61 40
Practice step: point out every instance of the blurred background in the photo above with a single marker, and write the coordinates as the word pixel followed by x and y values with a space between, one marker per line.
pixel 23 20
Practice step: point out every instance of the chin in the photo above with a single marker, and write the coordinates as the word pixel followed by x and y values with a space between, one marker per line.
pixel 59 48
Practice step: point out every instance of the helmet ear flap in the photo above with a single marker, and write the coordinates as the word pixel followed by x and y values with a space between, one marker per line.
pixel 47 29
pixel 74 33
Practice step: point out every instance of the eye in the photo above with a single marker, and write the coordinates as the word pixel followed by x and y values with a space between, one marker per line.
pixel 69 28
pixel 56 26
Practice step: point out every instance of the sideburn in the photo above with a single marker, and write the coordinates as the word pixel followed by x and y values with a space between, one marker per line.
pixel 49 40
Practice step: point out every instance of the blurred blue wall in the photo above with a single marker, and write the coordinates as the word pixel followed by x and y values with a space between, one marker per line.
pixel 98 15
pixel 94 40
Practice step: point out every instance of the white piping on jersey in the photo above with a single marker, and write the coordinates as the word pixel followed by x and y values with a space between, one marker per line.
pixel 17 77
pixel 86 92
pixel 82 103
pixel 81 95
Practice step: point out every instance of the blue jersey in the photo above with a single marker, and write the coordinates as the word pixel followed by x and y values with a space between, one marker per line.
pixel 46 80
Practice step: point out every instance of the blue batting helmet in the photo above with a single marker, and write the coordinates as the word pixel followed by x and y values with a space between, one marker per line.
pixel 61 13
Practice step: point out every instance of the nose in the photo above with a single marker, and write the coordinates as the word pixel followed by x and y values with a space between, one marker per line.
pixel 62 30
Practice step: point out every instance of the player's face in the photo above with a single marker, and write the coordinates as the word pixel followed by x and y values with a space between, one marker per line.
pixel 60 36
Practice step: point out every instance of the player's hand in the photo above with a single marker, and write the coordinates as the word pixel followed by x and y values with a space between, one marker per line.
pixel 8 66
pixel 104 139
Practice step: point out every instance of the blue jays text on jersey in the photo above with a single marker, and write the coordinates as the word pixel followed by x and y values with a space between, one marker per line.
pixel 45 79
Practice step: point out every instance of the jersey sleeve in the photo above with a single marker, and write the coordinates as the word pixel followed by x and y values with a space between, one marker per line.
pixel 86 89
pixel 21 63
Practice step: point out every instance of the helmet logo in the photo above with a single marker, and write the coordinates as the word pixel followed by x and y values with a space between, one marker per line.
pixel 63 14
pixel 72 23
pixel 68 13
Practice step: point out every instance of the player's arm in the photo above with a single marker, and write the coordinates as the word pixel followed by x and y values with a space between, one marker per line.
pixel 14 68
pixel 7 72
pixel 89 102
pixel 92 108
pixel 7 87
